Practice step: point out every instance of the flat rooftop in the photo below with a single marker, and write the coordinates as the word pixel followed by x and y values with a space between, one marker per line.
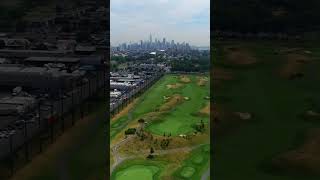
pixel 53 59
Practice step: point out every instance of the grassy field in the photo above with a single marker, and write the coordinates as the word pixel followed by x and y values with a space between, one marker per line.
pixel 181 119
pixel 172 106
pixel 138 172
pixel 196 163
pixel 177 121
pixel 275 103
pixel 139 169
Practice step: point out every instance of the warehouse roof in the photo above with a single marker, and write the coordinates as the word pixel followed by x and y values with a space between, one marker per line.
pixel 52 59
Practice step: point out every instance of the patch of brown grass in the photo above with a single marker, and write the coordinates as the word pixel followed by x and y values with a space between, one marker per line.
pixel 206 110
pixel 202 81
pixel 293 65
pixel 175 161
pixel 239 56
pixel 174 86
pixel 124 111
pixel 305 157
pixel 185 79
pixel 172 102
pixel 279 12
pixel 136 146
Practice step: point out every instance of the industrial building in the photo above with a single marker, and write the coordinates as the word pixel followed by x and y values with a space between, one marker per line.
pixel 128 84
pixel 37 94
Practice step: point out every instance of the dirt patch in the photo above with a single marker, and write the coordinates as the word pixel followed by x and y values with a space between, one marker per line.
pixel 202 81
pixel 172 102
pixel 239 56
pixel 243 115
pixel 279 12
pixel 293 65
pixel 311 115
pixel 226 121
pixel 185 79
pixel 174 86
pixel 205 110
pixel 137 146
pixel 305 158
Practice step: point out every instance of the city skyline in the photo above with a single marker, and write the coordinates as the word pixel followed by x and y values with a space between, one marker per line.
pixel 181 20
pixel 154 43
pixel 153 39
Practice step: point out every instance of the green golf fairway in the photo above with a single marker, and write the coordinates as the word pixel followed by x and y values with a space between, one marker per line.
pixel 276 103
pixel 137 172
pixel 182 117
pixel 162 114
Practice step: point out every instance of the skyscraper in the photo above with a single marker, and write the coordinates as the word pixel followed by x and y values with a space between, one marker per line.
pixel 164 43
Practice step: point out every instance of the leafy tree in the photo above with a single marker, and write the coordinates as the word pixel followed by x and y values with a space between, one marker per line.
pixel 130 131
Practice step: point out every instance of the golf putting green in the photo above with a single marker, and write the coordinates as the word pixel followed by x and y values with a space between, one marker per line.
pixel 187 172
pixel 195 164
pixel 198 159
pixel 140 172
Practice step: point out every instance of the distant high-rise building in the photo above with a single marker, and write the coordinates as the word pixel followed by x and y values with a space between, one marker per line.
pixel 150 38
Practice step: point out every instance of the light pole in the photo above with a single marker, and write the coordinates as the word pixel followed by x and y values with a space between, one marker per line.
pixel 72 109
pixel 11 152
pixel 62 110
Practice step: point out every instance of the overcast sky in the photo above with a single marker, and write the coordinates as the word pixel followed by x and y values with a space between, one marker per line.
pixel 180 20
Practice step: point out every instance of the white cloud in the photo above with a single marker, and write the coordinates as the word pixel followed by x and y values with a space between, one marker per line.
pixel 181 20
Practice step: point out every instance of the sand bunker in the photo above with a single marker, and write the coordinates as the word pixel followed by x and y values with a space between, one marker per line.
pixel 239 56
pixel 305 158
pixel 185 79
pixel 312 113
pixel 172 102
pixel 202 81
pixel 174 86
pixel 243 115
pixel 293 66
pixel 206 110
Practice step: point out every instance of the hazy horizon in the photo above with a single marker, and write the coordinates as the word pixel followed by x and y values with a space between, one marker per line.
pixel 179 20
